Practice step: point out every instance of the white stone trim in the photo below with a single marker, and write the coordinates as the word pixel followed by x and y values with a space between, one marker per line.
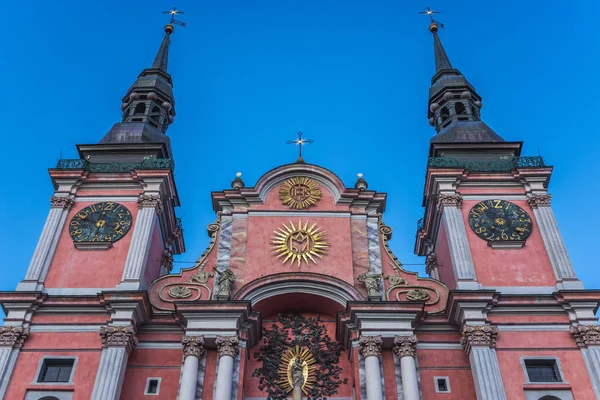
pixel 435 384
pixel 481 197
pixel 74 291
pixel 522 289
pixel 159 345
pixel 159 379
pixel 278 180
pixel 52 357
pixel 548 358
pixel 306 214
pixel 8 359
pixel 84 199
pixel 486 373
pixel 320 289
pixel 111 371
pixel 591 358
pixel 533 328
pixel 42 394
pixel 562 394
pixel 65 328
pixel 439 346
pixel 460 252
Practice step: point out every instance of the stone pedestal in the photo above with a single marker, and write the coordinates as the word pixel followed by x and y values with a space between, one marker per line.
pixel 405 347
pixel 227 348
pixel 479 342
pixel 193 349
pixel 370 349
pixel 12 339
pixel 117 343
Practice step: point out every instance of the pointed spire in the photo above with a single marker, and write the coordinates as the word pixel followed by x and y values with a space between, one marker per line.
pixel 162 57
pixel 441 58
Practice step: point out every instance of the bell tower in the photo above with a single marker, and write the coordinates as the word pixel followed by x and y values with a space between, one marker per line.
pixel 487 221
pixel 112 223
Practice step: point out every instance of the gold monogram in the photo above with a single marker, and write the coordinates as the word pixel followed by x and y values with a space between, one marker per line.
pixel 299 243
pixel 299 193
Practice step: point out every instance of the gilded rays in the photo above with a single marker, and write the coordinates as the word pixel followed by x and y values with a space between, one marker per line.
pixel 286 369
pixel 299 193
pixel 299 243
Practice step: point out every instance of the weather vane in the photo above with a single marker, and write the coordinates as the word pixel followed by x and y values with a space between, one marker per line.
pixel 173 13
pixel 430 13
pixel 300 142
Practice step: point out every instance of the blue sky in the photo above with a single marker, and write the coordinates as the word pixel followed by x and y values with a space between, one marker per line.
pixel 352 75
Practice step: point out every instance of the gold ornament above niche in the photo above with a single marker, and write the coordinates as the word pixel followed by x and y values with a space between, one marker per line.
pixel 299 193
pixel 297 370
pixel 299 243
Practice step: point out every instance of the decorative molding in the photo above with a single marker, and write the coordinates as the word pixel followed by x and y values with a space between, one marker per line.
pixel 150 201
pixel 430 263
pixel 539 200
pixel 13 336
pixel 478 335
pixel 91 246
pixel 180 292
pixel 299 193
pixel 506 244
pixel 586 335
pixel 193 346
pixel 370 345
pixel 118 336
pixel 405 346
pixel 227 345
pixel 61 202
pixel 449 200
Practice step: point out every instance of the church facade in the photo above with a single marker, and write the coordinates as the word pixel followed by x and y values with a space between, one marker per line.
pixel 298 294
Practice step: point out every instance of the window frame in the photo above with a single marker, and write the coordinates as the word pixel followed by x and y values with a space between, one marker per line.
pixel 159 379
pixel 557 367
pixel 75 359
pixel 435 383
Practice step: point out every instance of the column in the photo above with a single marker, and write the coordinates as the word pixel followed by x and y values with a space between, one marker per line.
pixel 135 264
pixel 12 339
pixel 227 348
pixel 193 349
pixel 405 347
pixel 431 267
pixel 479 342
pixel 117 343
pixel 588 339
pixel 44 251
pixel 370 348
pixel 555 247
pixel 460 252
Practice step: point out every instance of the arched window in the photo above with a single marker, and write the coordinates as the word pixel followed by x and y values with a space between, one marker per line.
pixel 444 113
pixel 139 109
pixel 49 398
pixel 460 108
pixel 548 397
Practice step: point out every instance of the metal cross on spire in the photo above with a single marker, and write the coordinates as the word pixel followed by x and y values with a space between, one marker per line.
pixel 430 13
pixel 173 13
pixel 300 142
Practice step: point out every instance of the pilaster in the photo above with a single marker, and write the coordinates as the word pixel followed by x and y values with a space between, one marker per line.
pixel 458 244
pixel 479 342
pixel 44 251
pixel 588 340
pixel 117 343
pixel 193 350
pixel 135 264
pixel 555 246
pixel 227 349
pixel 12 339
pixel 370 349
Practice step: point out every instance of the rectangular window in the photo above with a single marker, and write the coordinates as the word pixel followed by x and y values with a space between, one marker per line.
pixel 56 370
pixel 442 384
pixel 152 386
pixel 540 370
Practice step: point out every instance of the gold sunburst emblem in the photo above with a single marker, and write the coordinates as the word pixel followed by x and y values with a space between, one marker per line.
pixel 299 192
pixel 297 361
pixel 298 243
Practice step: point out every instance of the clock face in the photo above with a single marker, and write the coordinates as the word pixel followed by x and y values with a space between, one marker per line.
pixel 500 220
pixel 100 222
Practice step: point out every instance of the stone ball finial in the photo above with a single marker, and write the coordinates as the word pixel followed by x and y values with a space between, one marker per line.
pixel 152 96
pixel 433 28
pixel 478 103
pixel 465 94
pixel 431 121
pixel 166 105
pixel 433 107
pixel 237 183
pixel 361 184
pixel 169 29
pixel 448 95
pixel 134 96
pixel 124 106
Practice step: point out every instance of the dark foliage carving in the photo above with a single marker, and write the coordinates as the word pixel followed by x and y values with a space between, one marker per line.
pixel 287 332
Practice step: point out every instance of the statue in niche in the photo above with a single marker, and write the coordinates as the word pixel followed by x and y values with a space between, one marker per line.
pixel 226 279
pixel 297 378
pixel 371 282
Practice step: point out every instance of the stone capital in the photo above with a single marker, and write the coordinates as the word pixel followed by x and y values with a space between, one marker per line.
pixel 13 336
pixel 586 335
pixel 478 335
pixel 61 202
pixel 449 200
pixel 430 263
pixel 539 200
pixel 118 336
pixel 150 201
pixel 193 346
pixel 227 345
pixel 370 346
pixel 405 346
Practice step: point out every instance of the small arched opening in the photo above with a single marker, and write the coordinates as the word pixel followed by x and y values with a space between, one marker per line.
pixel 140 109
